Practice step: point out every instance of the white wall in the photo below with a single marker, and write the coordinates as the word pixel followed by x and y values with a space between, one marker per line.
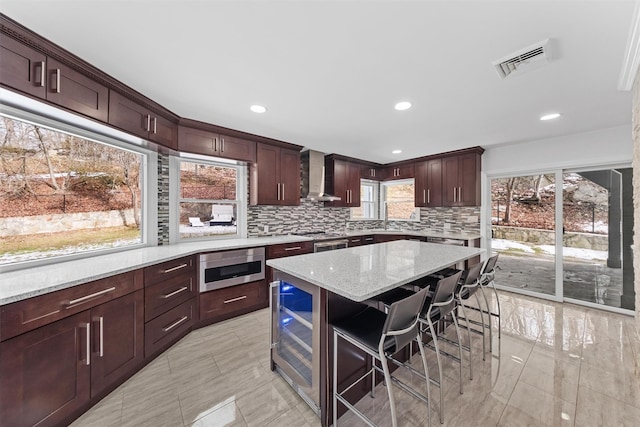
pixel 601 147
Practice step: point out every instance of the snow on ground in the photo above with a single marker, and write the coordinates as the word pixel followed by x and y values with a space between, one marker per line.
pixel 578 253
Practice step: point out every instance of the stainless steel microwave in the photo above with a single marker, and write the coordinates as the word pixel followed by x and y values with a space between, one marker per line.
pixel 222 269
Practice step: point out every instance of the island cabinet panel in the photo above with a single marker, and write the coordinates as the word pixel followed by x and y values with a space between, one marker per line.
pixel 342 179
pixel 22 68
pixel 275 177
pixel 428 183
pixel 461 180
pixel 213 144
pixel 45 374
pixel 75 91
pixel 140 121
pixel 233 301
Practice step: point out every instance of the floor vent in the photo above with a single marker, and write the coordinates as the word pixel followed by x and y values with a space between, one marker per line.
pixel 524 60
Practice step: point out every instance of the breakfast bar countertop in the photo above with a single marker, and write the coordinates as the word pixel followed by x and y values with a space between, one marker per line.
pixel 362 272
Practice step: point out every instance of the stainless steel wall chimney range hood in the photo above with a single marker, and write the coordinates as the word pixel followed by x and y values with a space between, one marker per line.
pixel 313 177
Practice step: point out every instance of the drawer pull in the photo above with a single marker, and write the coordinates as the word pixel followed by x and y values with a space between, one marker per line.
pixel 293 248
pixel 88 297
pixel 182 289
pixel 174 324
pixel 355 240
pixel 235 299
pixel 169 270
pixel 368 239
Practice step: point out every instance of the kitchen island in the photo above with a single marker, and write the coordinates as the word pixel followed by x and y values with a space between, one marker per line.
pixel 310 292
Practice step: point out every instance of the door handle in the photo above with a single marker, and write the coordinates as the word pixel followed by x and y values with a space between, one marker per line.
pixel 428 196
pixel 215 145
pixel 42 73
pixel 87 326
pixel 56 81
pixel 101 336
pixel 424 196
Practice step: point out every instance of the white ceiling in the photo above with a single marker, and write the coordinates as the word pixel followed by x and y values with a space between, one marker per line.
pixel 330 72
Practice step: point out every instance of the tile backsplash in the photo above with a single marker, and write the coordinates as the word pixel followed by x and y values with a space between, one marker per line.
pixel 314 216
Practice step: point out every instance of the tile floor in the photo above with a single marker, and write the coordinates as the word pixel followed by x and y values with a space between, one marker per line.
pixel 554 365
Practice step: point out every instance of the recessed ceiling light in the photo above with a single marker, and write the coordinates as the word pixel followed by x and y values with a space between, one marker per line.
pixel 258 109
pixel 396 152
pixel 550 116
pixel 404 105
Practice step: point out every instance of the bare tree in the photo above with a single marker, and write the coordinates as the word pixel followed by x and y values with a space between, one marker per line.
pixel 511 185
pixel 45 151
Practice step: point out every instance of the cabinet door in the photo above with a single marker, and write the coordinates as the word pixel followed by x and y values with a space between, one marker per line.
pixel 434 180
pixel 117 340
pixel 237 148
pixel 336 182
pixel 450 181
pixel 163 131
pixel 421 184
pixel 70 89
pixel 353 184
pixel 128 116
pixel 45 373
pixel 22 68
pixel 468 180
pixel 266 181
pixel 289 177
pixel 197 141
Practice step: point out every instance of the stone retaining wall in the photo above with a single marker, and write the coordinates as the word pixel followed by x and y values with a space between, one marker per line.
pixel 19 226
pixel 598 242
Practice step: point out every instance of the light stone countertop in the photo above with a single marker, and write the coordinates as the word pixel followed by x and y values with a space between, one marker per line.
pixel 22 284
pixel 363 272
pixel 443 235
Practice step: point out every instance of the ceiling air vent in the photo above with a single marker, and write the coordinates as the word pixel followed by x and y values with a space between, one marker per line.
pixel 524 60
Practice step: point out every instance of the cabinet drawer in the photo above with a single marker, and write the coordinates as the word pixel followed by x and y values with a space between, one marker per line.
pixel 166 270
pixel 289 249
pixel 368 240
pixel 355 241
pixel 235 299
pixel 169 327
pixel 167 294
pixel 22 316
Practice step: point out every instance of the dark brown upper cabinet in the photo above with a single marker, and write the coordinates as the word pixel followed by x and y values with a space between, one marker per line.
pixel 22 68
pixel 461 180
pixel 138 120
pixel 371 172
pixel 29 71
pixel 200 141
pixel 275 177
pixel 342 179
pixel 428 183
pixel 404 171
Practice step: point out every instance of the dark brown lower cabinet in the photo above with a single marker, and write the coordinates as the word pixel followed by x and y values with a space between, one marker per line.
pixel 233 301
pixel 45 374
pixel 50 373
pixel 166 329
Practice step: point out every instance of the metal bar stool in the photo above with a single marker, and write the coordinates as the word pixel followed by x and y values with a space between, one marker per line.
pixel 468 286
pixel 487 277
pixel 442 304
pixel 381 335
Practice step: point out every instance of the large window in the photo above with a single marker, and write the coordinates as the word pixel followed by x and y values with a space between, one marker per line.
pixel 66 192
pixel 368 208
pixel 398 201
pixel 209 199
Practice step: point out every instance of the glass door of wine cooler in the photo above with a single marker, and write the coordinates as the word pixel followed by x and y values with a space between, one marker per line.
pixel 295 343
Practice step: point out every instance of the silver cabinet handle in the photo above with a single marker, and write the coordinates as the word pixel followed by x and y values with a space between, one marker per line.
pixel 428 196
pixel 42 73
pixel 293 248
pixel 174 324
pixel 454 194
pixel 88 344
pixel 282 190
pixel 169 270
pixel 460 194
pixel 56 81
pixel 182 289
pixel 215 144
pixel 235 299
pixel 148 128
pixel 278 191
pixel 424 196
pixel 155 125
pixel 88 297
pixel 355 240
pixel 101 325
pixel 222 148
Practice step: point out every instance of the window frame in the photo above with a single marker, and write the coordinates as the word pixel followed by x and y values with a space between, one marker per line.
pixel 27 110
pixel 174 196
pixel 383 199
pixel 375 185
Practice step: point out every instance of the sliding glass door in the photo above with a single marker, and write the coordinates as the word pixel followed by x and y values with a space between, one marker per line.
pixel 523 232
pixel 568 241
pixel 597 262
